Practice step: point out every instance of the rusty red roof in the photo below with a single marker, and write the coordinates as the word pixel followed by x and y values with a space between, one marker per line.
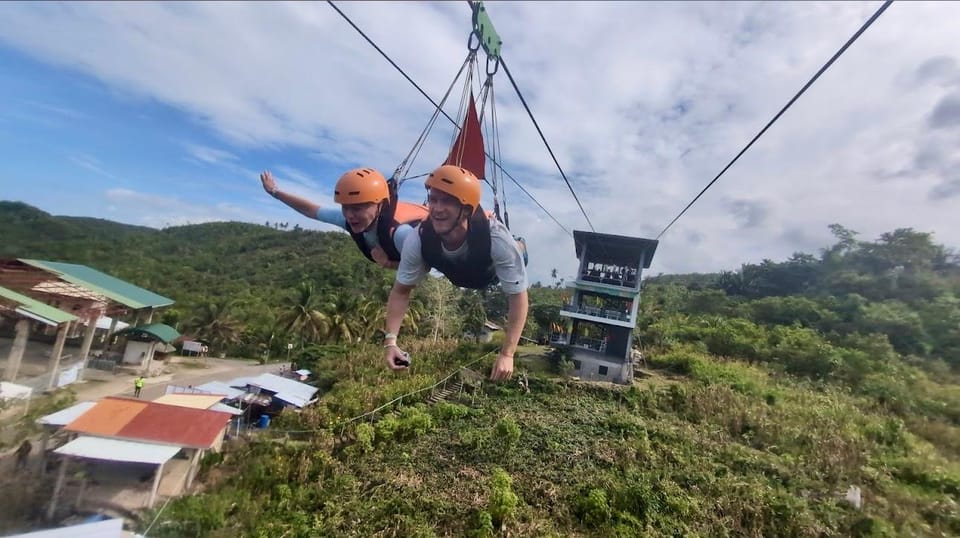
pixel 158 423
pixel 107 417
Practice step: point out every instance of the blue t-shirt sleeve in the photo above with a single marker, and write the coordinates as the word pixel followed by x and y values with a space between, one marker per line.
pixel 332 216
pixel 400 235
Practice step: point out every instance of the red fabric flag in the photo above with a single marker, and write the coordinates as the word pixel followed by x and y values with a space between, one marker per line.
pixel 467 151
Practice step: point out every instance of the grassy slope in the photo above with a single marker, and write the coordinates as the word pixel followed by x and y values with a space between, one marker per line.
pixel 724 450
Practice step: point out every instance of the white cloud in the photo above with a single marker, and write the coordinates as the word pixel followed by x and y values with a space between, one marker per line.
pixel 159 211
pixel 290 173
pixel 643 103
pixel 209 155
pixel 89 162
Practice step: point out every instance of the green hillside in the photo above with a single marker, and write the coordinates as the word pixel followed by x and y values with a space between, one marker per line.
pixel 767 393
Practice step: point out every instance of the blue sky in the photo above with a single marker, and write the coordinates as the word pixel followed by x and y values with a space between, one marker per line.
pixel 164 113
pixel 73 146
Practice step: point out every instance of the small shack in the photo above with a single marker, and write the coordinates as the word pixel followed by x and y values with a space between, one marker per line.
pixel 142 342
pixel 123 441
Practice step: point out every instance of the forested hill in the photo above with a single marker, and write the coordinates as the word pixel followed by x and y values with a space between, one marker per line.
pixel 904 286
pixel 766 394
pixel 193 263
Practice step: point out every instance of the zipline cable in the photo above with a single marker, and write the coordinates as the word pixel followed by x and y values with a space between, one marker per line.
pixel 544 138
pixel 415 85
pixel 809 83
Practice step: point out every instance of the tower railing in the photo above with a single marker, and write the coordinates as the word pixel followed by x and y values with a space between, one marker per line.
pixel 596 311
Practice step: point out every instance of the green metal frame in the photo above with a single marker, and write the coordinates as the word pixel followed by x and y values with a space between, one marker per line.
pixel 483 26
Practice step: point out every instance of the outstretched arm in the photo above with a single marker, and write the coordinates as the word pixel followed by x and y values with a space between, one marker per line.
pixel 304 207
pixel 516 318
pixel 397 305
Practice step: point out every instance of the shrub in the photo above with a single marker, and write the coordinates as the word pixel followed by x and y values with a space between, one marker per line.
pixel 365 434
pixel 561 360
pixel 483 527
pixel 414 421
pixel 386 428
pixel 507 432
pixel 503 501
pixel 446 411
pixel 594 509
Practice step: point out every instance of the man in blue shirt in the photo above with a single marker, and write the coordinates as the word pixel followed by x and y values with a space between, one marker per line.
pixel 378 226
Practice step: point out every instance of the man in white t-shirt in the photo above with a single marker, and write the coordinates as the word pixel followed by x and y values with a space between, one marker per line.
pixel 470 249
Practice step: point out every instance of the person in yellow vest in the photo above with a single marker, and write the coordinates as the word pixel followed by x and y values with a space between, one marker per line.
pixel 137 385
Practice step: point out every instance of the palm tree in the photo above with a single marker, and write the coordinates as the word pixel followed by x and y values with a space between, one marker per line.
pixel 341 313
pixel 214 322
pixel 370 317
pixel 302 317
pixel 414 315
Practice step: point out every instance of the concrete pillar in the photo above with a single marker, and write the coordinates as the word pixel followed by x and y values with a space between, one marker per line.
pixel 194 464
pixel 156 486
pixel 61 474
pixel 149 317
pixel 113 327
pixel 57 352
pixel 87 342
pixel 149 361
pixel 626 374
pixel 44 443
pixel 16 352
pixel 83 489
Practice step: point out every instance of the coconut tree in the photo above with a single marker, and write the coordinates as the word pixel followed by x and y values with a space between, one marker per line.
pixel 214 322
pixel 343 319
pixel 302 315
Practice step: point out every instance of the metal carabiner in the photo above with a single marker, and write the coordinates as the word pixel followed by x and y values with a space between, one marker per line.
pixel 470 46
pixel 496 65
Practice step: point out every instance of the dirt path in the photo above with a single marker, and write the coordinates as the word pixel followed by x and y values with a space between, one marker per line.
pixel 192 372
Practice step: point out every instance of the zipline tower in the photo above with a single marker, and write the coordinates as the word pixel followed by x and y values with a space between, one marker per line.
pixel 603 307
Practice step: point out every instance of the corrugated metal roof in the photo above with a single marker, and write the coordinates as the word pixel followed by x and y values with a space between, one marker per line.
pixel 258 399
pixel 615 249
pixel 37 310
pixel 226 409
pixel 291 398
pixel 107 417
pixel 193 401
pixel 104 323
pixel 118 290
pixel 160 331
pixel 281 385
pixel 98 448
pixel 12 391
pixel 182 426
pixel 109 528
pixel 135 420
pixel 240 382
pixel 66 416
pixel 218 387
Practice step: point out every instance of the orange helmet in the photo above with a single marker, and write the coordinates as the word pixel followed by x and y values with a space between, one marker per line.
pixel 361 185
pixel 457 182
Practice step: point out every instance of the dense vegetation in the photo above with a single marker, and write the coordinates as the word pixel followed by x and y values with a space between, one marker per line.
pixel 248 289
pixel 768 392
